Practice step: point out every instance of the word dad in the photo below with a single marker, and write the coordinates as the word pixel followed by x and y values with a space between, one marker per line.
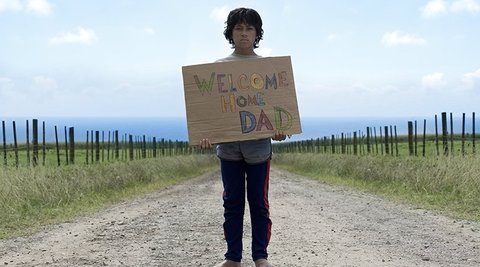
pixel 251 124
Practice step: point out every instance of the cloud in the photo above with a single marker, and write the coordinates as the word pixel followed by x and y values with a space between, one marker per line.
pixel 471 79
pixel 471 6
pixel 434 81
pixel 13 5
pixel 149 31
pixel 441 7
pixel 396 38
pixel 434 8
pixel 80 36
pixel 37 7
pixel 219 14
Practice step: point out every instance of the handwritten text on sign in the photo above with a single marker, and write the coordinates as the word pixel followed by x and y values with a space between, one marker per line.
pixel 240 100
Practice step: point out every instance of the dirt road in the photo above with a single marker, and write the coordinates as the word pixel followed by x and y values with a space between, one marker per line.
pixel 313 225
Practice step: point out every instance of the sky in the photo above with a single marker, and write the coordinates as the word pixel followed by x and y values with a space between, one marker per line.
pixel 123 58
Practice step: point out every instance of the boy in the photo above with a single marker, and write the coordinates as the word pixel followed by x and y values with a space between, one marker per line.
pixel 245 160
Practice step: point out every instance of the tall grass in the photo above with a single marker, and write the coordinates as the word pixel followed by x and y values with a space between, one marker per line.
pixel 449 184
pixel 30 197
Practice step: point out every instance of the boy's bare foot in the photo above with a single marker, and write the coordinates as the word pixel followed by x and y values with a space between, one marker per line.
pixel 229 263
pixel 262 263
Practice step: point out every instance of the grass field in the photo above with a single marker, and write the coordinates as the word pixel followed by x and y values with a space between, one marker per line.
pixel 34 196
pixel 446 184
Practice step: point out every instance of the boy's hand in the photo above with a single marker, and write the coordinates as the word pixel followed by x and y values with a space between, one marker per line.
pixel 279 136
pixel 205 144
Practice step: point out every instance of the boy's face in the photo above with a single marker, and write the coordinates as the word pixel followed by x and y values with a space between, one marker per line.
pixel 244 35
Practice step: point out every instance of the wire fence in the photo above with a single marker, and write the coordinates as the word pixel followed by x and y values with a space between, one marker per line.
pixel 384 140
pixel 99 146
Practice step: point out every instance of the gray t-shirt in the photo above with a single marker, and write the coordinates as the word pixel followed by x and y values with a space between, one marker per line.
pixel 252 151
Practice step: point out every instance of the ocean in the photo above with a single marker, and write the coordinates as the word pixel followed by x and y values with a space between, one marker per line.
pixel 176 128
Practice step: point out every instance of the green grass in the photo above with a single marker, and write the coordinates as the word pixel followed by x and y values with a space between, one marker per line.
pixel 446 184
pixel 31 197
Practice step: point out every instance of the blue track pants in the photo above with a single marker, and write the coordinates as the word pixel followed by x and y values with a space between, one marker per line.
pixel 235 174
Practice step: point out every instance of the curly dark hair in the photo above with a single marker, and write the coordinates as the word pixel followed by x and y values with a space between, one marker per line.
pixel 243 15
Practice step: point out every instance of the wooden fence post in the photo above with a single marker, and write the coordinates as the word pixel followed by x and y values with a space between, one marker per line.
pixel 71 135
pixel 410 138
pixel 424 137
pixel 473 133
pixel 436 136
pixel 325 144
pixel 44 153
pixel 87 148
pixel 103 146
pixel 391 140
pixel 451 135
pixel 92 148
pixel 144 147
pixel 4 144
pixel 138 150
pixel 396 140
pixel 387 150
pixel 66 146
pixel 35 141
pixel 333 144
pixel 163 146
pixel 125 146
pixel 348 143
pixel 15 145
pixel 149 147
pixel 130 145
pixel 463 135
pixel 108 147
pixel 57 147
pixel 355 143
pixel 415 139
pixel 381 140
pixel 27 128
pixel 154 147
pixel 444 133
pixel 117 146
pixel 369 150
pixel 97 146
pixel 360 142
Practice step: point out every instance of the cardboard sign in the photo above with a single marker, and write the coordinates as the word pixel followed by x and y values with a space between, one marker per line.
pixel 240 100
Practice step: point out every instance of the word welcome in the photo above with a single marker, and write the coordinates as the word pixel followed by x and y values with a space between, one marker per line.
pixel 228 83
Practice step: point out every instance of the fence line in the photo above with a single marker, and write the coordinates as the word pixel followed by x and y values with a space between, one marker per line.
pixel 358 143
pixel 117 147
pixel 130 147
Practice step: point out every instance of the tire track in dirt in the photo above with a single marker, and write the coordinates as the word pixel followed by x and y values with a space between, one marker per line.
pixel 313 225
